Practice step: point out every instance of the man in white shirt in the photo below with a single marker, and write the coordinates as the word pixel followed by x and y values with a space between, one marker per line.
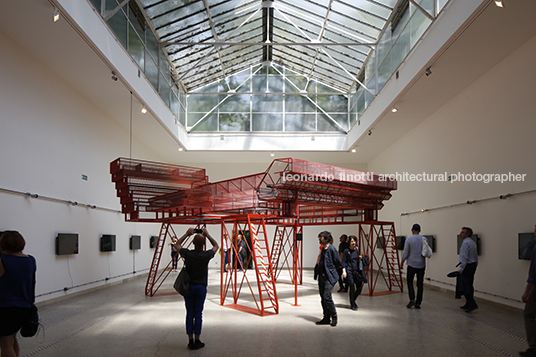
pixel 416 265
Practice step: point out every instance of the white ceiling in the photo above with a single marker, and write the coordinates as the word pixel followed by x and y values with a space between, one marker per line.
pixel 491 37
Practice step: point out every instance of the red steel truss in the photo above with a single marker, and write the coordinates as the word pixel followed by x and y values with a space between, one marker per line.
pixel 378 241
pixel 290 194
pixel 236 277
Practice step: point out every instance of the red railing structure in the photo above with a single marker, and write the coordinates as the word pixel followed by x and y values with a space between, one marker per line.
pixel 377 240
pixel 290 193
pixel 236 277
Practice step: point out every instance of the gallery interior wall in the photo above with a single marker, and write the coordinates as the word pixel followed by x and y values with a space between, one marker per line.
pixel 488 128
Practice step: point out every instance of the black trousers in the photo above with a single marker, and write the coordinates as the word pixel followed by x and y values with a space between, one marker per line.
pixel 420 284
pixel 355 286
pixel 469 275
pixel 325 289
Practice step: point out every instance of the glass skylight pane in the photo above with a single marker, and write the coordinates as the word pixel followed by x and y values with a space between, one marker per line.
pixel 182 115
pixel 401 48
pixel 267 122
pixel 259 83
pixel 202 103
pixel 299 104
pixel 326 124
pixel 365 12
pixel 180 18
pixel 267 103
pixel 299 81
pixel 419 24
pixel 235 103
pixel 234 122
pixel 313 27
pixel 135 48
pixel 384 71
pixel 210 123
pixel 242 81
pixel 300 122
pixel 152 44
pixel 275 84
pixel 118 23
pixel 384 46
pixel 151 71
pixel 332 103
pixel 220 7
pixel 316 8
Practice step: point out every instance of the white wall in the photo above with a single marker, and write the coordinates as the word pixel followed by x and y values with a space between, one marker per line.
pixel 50 135
pixel 487 128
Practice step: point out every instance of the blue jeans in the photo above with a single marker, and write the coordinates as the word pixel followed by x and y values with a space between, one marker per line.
pixel 195 302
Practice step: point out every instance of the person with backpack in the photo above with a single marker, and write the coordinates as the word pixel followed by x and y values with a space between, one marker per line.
pixel 353 270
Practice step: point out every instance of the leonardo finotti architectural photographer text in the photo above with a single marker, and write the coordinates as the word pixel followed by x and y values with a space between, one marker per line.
pixel 363 177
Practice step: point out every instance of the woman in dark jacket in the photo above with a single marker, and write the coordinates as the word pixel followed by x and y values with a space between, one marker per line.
pixel 17 290
pixel 353 270
pixel 328 263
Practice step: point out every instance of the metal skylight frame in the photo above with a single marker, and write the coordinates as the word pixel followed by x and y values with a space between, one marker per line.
pixel 208 40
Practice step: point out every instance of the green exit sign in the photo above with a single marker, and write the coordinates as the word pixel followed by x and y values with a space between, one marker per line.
pixel 84 177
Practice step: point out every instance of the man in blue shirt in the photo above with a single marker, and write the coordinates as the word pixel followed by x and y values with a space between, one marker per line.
pixel 529 298
pixel 416 265
pixel 468 263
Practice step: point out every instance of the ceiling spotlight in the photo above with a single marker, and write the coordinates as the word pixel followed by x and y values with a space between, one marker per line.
pixel 354 150
pixel 180 148
pixel 56 15
pixel 272 154
pixel 144 110
pixel 394 110
pixel 499 3
pixel 428 71
pixel 114 77
pixel 370 132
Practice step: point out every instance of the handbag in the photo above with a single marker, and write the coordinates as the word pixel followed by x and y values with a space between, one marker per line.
pixel 30 327
pixel 426 250
pixel 182 283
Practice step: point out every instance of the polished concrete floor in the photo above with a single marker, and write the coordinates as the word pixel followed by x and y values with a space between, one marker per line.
pixel 121 321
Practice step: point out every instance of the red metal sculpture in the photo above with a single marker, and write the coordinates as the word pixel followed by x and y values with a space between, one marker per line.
pixel 290 194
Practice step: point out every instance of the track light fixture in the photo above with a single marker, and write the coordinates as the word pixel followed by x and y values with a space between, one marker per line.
pixel 428 71
pixel 394 110
pixel 180 148
pixel 143 110
pixel 499 3
pixel 354 150
pixel 369 132
pixel 114 77
pixel 56 15
pixel 272 154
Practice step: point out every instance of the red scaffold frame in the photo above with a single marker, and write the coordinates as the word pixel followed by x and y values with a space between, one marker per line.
pixel 290 194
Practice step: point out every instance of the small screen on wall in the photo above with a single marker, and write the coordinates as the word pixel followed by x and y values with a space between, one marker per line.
pixel 135 242
pixel 67 243
pixel 107 243
pixel 525 243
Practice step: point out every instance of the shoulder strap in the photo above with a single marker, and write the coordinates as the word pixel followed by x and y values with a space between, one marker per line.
pixel 33 280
